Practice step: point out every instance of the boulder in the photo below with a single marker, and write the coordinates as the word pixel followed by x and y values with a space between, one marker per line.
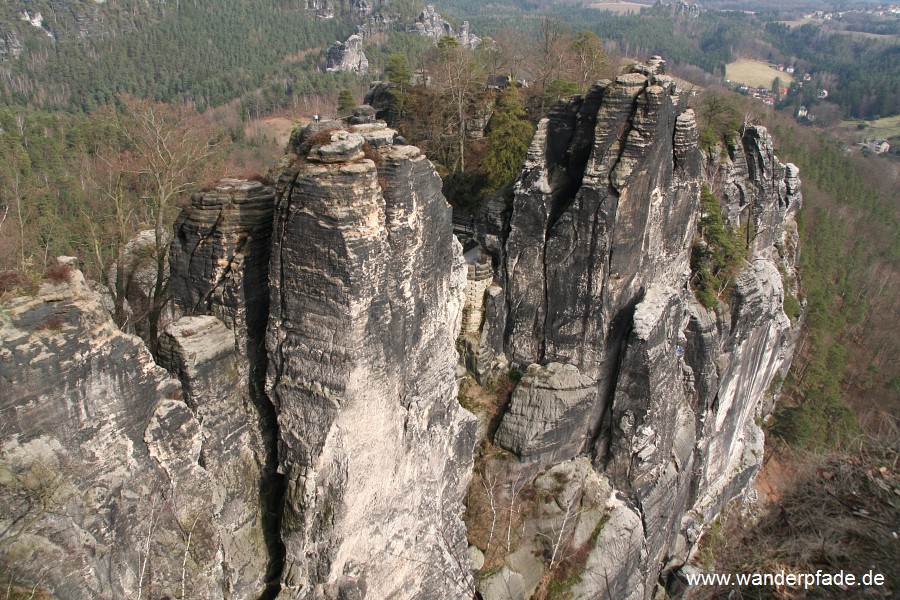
pixel 545 422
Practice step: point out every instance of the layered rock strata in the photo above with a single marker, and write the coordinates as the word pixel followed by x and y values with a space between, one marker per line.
pixel 114 484
pixel 543 424
pixel 219 258
pixel 219 261
pixel 366 301
pixel 595 256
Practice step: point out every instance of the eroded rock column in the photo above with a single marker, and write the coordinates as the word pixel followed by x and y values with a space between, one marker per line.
pixel 367 286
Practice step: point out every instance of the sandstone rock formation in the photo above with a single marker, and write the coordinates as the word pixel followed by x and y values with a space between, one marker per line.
pixel 431 24
pixel 759 187
pixel 115 482
pixel 664 395
pixel 219 268
pixel 366 301
pixel 545 420
pixel 347 56
pixel 302 436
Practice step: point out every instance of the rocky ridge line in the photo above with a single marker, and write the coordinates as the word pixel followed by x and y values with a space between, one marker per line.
pixel 594 259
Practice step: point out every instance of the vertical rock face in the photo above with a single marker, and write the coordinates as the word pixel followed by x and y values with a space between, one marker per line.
pixel 758 187
pixel 651 442
pixel 596 274
pixel 219 261
pixel 431 24
pixel 605 206
pixel 347 56
pixel 113 486
pixel 366 300
pixel 219 258
pixel 201 352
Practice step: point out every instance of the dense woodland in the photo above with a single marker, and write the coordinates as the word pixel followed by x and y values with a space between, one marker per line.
pixel 73 180
pixel 206 54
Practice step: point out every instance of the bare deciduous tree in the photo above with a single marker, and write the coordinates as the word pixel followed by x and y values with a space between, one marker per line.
pixel 589 58
pixel 169 150
pixel 458 77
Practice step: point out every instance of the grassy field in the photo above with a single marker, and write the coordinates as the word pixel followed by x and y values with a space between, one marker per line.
pixel 277 129
pixel 796 22
pixel 755 73
pixel 882 128
pixel 620 8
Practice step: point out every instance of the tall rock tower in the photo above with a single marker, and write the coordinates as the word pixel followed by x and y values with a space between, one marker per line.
pixel 366 302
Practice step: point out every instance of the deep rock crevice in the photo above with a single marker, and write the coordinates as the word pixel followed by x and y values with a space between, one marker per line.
pixel 671 422
pixel 314 447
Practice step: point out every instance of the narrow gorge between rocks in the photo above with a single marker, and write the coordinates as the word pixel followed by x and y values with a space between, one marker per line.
pixel 302 433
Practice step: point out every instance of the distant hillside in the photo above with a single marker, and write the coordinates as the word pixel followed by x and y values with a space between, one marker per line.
pixel 65 19
pixel 205 52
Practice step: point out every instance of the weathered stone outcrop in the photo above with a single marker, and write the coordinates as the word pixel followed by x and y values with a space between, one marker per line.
pixel 606 204
pixel 595 254
pixel 651 442
pixel 381 97
pixel 302 437
pixel 545 421
pixel 366 301
pixel 431 24
pixel 347 56
pixel 112 481
pixel 759 187
pixel 201 352
pixel 219 277
pixel 219 257
pixel 756 343
pixel 139 270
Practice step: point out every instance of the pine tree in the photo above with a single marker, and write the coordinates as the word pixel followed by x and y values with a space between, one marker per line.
pixel 397 71
pixel 508 136
pixel 345 102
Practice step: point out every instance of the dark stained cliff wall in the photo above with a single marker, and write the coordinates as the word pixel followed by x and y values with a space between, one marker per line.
pixel 594 256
